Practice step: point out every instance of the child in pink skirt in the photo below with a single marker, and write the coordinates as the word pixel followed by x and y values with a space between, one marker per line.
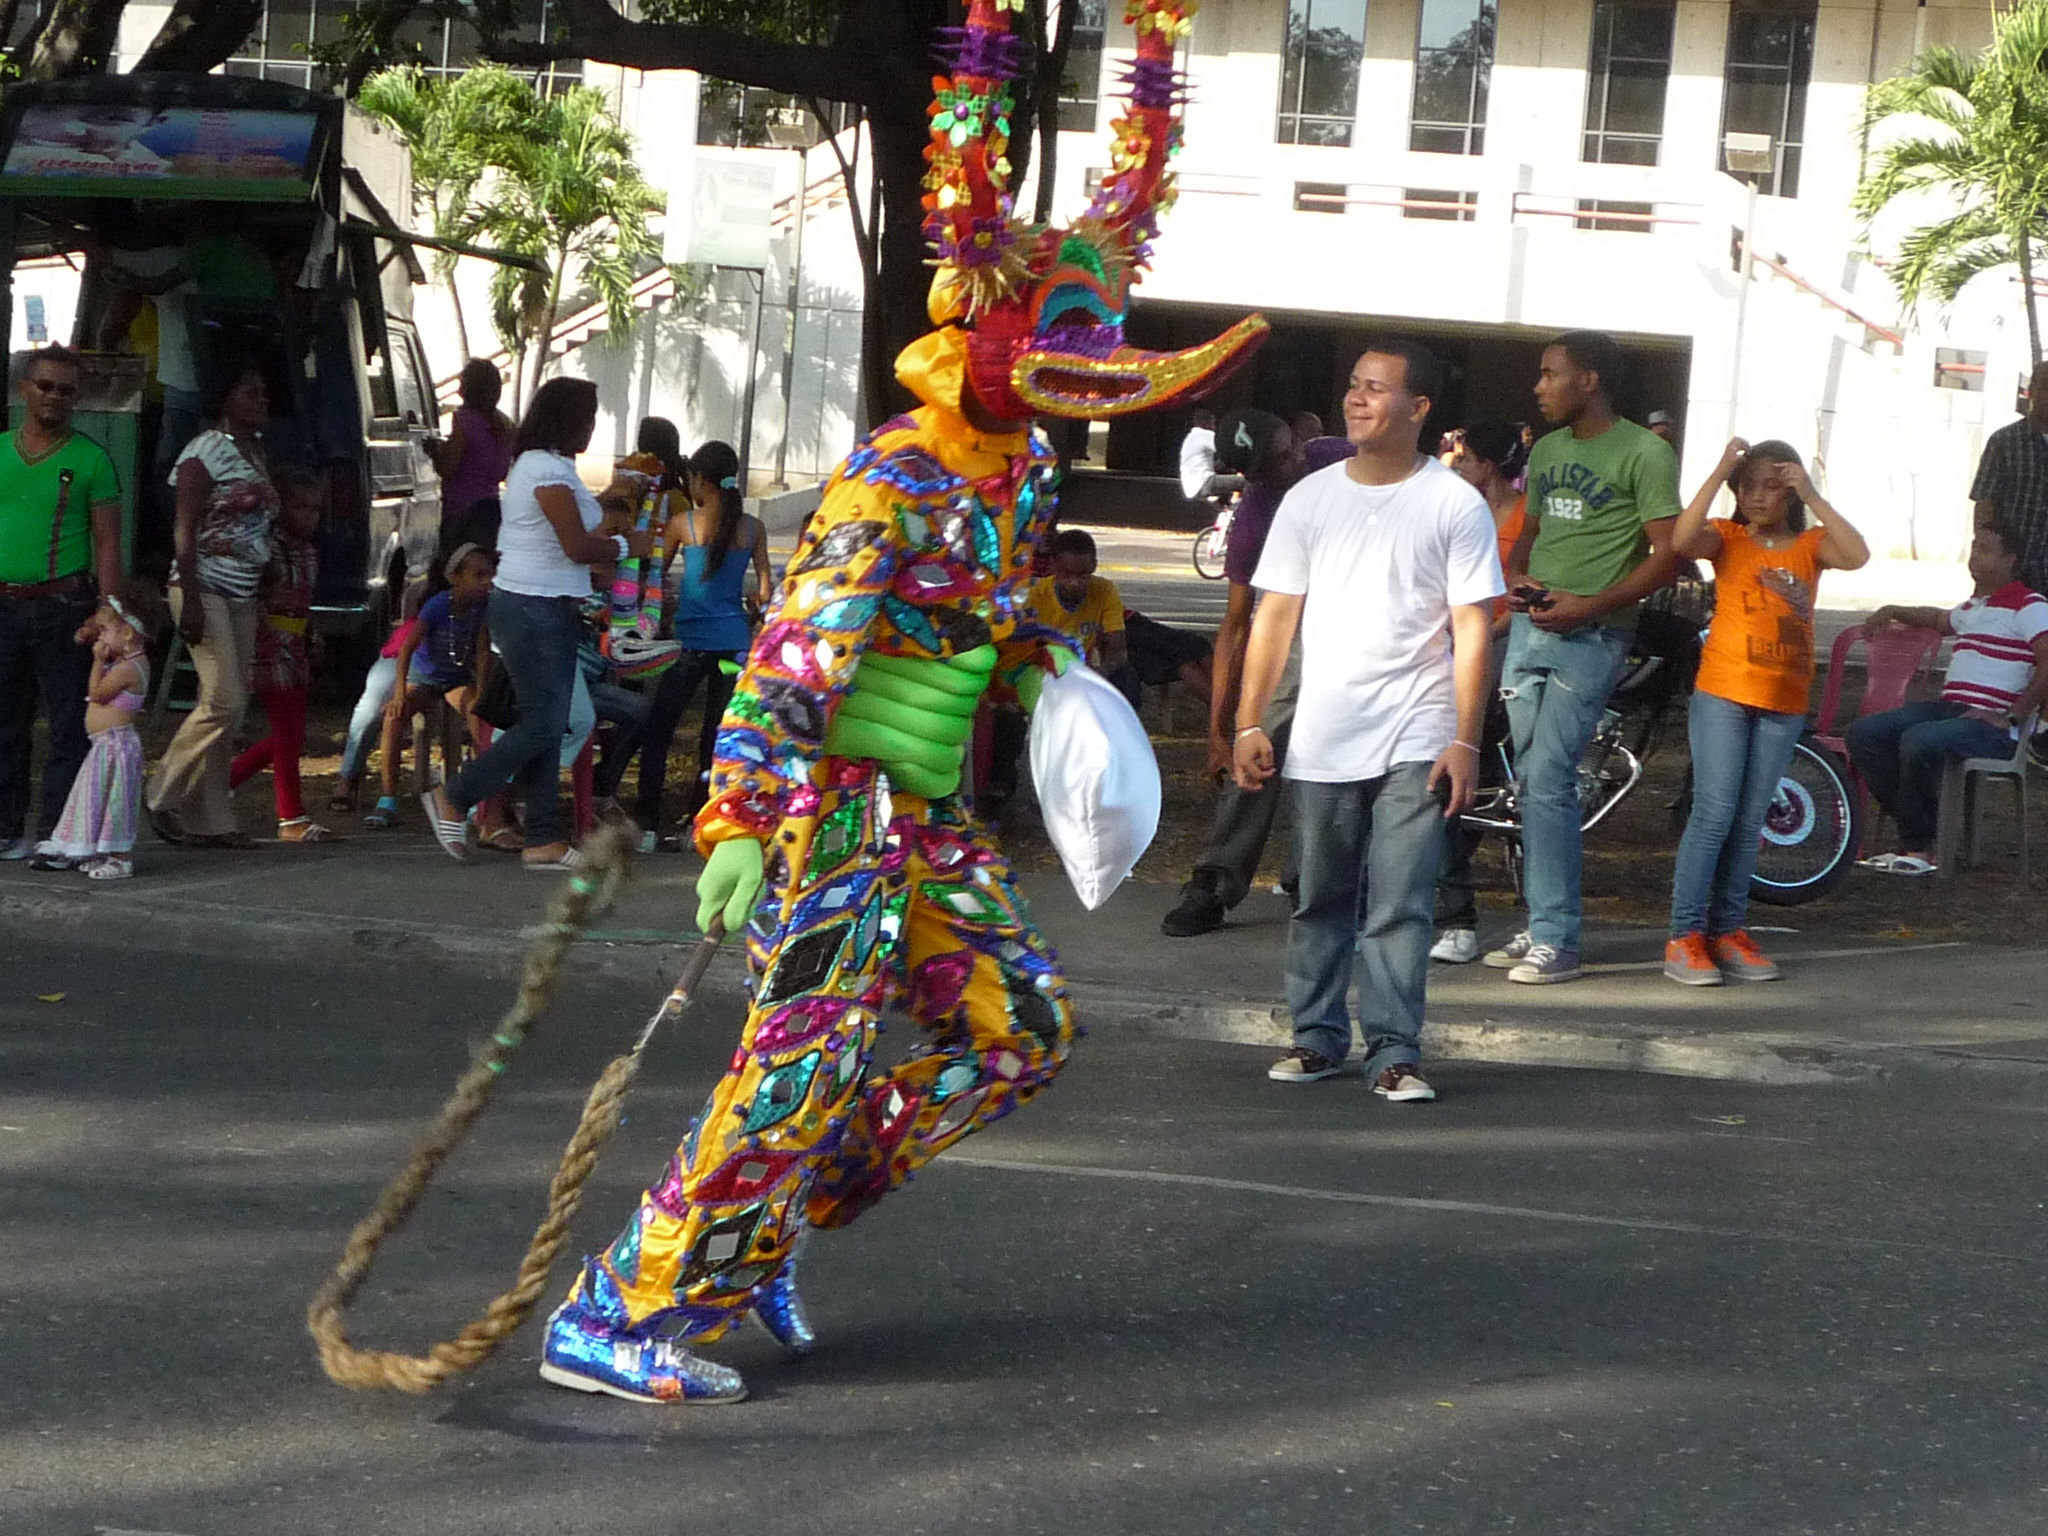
pixel 96 833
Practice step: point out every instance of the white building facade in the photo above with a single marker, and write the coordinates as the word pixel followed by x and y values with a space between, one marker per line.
pixel 1479 175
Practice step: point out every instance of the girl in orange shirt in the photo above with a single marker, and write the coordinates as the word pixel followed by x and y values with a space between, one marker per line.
pixel 1749 703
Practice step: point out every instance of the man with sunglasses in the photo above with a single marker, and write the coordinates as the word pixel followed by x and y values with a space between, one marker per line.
pixel 60 546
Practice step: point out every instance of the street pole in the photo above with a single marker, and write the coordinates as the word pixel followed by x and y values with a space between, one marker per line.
pixel 1742 303
pixel 796 278
pixel 760 276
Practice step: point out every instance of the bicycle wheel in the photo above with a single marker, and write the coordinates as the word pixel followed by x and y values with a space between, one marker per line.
pixel 1810 833
pixel 1209 553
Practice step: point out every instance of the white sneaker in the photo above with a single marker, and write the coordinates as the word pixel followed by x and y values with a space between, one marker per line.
pixel 1457 946
pixel 19 849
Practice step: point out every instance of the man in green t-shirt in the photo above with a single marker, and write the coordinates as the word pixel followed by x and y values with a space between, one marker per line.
pixel 60 533
pixel 1603 496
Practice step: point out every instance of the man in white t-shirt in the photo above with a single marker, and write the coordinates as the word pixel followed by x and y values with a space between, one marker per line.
pixel 1388 565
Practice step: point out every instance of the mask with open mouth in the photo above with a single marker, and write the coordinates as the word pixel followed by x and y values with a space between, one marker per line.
pixel 1045 307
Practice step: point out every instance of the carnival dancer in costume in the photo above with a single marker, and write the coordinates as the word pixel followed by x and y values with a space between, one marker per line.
pixel 835 833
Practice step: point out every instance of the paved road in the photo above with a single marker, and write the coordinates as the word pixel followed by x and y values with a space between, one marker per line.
pixel 1169 1297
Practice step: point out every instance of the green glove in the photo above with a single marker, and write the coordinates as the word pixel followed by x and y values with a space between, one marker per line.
pixel 913 716
pixel 731 883
pixel 1032 682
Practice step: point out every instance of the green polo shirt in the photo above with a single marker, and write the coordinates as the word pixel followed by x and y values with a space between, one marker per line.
pixel 32 546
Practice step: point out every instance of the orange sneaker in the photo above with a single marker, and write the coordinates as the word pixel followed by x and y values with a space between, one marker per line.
pixel 1737 955
pixel 1687 962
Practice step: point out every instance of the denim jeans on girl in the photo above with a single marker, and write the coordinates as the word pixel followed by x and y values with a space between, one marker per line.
pixel 1556 687
pixel 1738 756
pixel 536 637
pixel 1375 844
pixel 367 720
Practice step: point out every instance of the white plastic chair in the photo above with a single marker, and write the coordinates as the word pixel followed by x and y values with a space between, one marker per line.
pixel 1962 808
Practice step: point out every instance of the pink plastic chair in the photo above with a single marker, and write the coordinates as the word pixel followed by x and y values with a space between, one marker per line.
pixel 1893 656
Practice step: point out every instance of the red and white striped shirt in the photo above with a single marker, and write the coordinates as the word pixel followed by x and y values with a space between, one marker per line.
pixel 1994 655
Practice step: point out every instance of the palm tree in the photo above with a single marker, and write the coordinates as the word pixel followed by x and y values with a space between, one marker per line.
pixel 565 189
pixel 451 127
pixel 1975 132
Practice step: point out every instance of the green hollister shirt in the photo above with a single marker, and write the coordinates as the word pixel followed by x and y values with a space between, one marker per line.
pixel 33 547
pixel 1592 496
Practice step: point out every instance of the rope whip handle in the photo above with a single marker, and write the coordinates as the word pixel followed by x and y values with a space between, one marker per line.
pixel 350 1366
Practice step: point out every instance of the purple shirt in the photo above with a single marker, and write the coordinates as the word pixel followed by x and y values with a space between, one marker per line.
pixel 485 458
pixel 1253 519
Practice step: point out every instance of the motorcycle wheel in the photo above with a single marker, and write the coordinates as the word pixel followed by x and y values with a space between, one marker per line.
pixel 1209 544
pixel 1810 833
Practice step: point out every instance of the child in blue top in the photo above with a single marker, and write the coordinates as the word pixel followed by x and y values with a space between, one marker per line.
pixel 439 658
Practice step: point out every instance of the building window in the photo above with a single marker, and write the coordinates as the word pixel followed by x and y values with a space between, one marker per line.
pixel 1438 203
pixel 1321 196
pixel 1625 82
pixel 1319 71
pixel 1770 60
pixel 1081 85
pixel 280 46
pixel 1453 60
pixel 1621 218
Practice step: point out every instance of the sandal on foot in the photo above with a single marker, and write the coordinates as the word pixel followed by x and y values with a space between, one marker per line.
pixel 453 836
pixel 382 816
pixel 572 860
pixel 109 866
pixel 343 801
pixel 304 829
pixel 1909 864
pixel 52 860
pixel 504 840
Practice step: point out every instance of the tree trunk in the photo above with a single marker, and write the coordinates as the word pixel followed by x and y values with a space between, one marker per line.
pixel 461 323
pixel 2025 246
pixel 895 315
pixel 76 37
pixel 200 35
pixel 548 312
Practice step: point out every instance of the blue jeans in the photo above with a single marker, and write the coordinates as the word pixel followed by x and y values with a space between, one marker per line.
pixel 367 720
pixel 536 638
pixel 1902 752
pixel 1738 756
pixel 39 656
pixel 1375 844
pixel 1556 687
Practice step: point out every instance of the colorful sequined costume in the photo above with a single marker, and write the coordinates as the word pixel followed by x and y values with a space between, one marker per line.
pixel 875 897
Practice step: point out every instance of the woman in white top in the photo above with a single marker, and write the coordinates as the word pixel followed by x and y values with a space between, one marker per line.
pixel 547 544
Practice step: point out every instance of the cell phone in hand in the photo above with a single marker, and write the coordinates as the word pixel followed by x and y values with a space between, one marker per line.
pixel 1533 597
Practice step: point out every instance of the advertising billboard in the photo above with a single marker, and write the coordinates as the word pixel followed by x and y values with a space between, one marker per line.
pixel 111 150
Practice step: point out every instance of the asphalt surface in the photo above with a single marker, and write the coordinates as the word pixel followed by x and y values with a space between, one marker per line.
pixel 1169 1296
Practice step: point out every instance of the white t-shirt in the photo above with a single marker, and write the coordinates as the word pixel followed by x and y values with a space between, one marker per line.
pixel 531 560
pixel 1197 460
pixel 1382 567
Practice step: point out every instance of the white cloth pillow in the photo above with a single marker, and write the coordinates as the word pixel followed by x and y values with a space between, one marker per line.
pixel 1098 783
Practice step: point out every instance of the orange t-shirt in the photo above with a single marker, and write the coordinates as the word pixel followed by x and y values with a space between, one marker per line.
pixel 1759 649
pixel 1509 535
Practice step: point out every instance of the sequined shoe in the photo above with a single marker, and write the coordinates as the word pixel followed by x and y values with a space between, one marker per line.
pixel 780 1310
pixel 585 1355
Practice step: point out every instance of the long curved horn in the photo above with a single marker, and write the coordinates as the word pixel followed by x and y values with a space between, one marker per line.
pixel 1139 188
pixel 967 185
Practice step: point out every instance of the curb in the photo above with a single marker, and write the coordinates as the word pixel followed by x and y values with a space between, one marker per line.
pixel 184 926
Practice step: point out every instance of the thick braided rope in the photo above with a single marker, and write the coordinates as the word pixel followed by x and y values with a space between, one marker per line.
pixel 587 896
